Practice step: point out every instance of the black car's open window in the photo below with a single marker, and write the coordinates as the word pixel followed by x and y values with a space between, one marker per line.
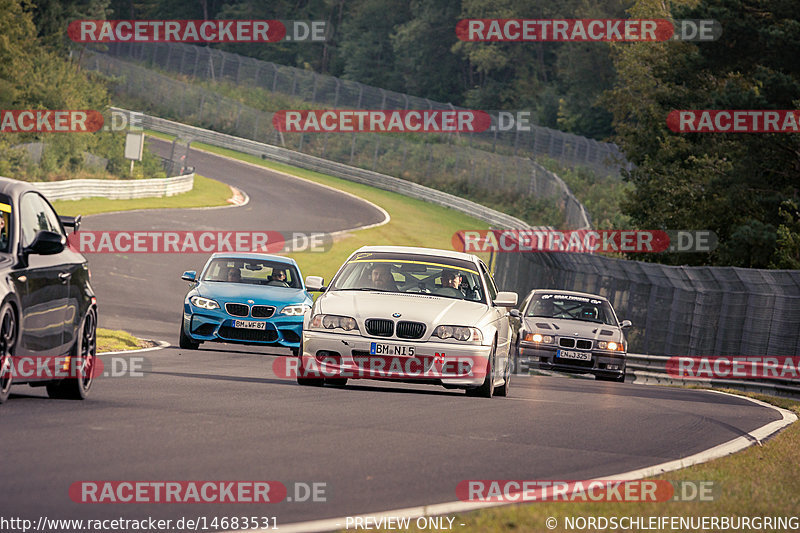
pixel 5 222
pixel 572 307
pixel 253 272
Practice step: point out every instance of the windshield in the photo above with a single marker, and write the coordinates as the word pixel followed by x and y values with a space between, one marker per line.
pixel 253 272
pixel 572 308
pixel 410 273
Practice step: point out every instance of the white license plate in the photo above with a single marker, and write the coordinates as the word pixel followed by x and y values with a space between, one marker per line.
pixel 249 324
pixel 579 356
pixel 377 348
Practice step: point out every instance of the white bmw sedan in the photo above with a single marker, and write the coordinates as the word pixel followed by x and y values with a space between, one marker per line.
pixel 413 315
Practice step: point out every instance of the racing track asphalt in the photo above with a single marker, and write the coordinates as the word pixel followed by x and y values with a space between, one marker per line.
pixel 143 293
pixel 221 413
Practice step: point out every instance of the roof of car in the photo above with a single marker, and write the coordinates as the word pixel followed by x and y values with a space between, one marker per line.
pixel 570 293
pixel 10 186
pixel 422 251
pixel 253 255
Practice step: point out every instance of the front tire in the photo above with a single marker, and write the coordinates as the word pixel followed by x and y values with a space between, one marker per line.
pixel 8 342
pixel 301 379
pixel 486 390
pixel 186 342
pixel 502 390
pixel 84 352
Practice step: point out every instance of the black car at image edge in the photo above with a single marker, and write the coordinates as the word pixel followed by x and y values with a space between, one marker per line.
pixel 48 315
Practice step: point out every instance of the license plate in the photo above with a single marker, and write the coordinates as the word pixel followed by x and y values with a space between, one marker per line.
pixel 377 348
pixel 578 356
pixel 249 324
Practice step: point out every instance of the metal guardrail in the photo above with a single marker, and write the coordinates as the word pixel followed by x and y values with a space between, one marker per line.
pixel 649 369
pixel 447 166
pixel 116 189
pixel 339 170
pixel 203 62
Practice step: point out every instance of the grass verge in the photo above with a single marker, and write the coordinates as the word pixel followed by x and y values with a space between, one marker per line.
pixel 761 481
pixel 109 340
pixel 413 222
pixel 206 193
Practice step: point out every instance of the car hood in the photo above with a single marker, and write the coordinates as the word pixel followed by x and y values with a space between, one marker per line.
pixel 431 310
pixel 241 292
pixel 563 327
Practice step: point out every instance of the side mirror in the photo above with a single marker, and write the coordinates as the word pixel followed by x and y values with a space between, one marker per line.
pixel 189 275
pixel 515 313
pixel 315 284
pixel 47 243
pixel 626 324
pixel 506 299
pixel 71 222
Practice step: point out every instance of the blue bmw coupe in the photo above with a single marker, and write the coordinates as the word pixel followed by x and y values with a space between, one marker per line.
pixel 247 298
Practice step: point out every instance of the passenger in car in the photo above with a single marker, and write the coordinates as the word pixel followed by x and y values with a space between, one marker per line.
pixel 234 275
pixel 278 278
pixel 451 283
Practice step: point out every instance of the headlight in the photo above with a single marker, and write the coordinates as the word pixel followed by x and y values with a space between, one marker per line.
pixel 459 333
pixel 204 303
pixel 538 337
pixel 612 346
pixel 322 321
pixel 295 309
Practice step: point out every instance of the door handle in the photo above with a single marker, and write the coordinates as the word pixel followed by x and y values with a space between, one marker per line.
pixel 64 276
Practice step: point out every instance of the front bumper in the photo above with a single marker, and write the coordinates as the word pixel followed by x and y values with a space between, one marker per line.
pixel 218 326
pixel 339 355
pixel 605 364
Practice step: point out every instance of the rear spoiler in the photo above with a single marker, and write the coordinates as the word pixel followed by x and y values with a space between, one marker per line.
pixel 71 222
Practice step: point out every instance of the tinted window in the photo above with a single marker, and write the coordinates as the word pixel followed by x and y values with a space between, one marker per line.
pixel 492 287
pixel 572 307
pixel 253 272
pixel 36 215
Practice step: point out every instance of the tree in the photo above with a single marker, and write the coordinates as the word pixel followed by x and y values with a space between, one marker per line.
pixel 422 53
pixel 731 183
pixel 366 52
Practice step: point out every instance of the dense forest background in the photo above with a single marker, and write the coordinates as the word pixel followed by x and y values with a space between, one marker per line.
pixel 745 187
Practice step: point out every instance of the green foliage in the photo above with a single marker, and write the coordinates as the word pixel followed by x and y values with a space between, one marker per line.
pixel 35 74
pixel 600 195
pixel 731 183
pixel 787 253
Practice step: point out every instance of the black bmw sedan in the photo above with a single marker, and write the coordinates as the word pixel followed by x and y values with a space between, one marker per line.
pixel 48 315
